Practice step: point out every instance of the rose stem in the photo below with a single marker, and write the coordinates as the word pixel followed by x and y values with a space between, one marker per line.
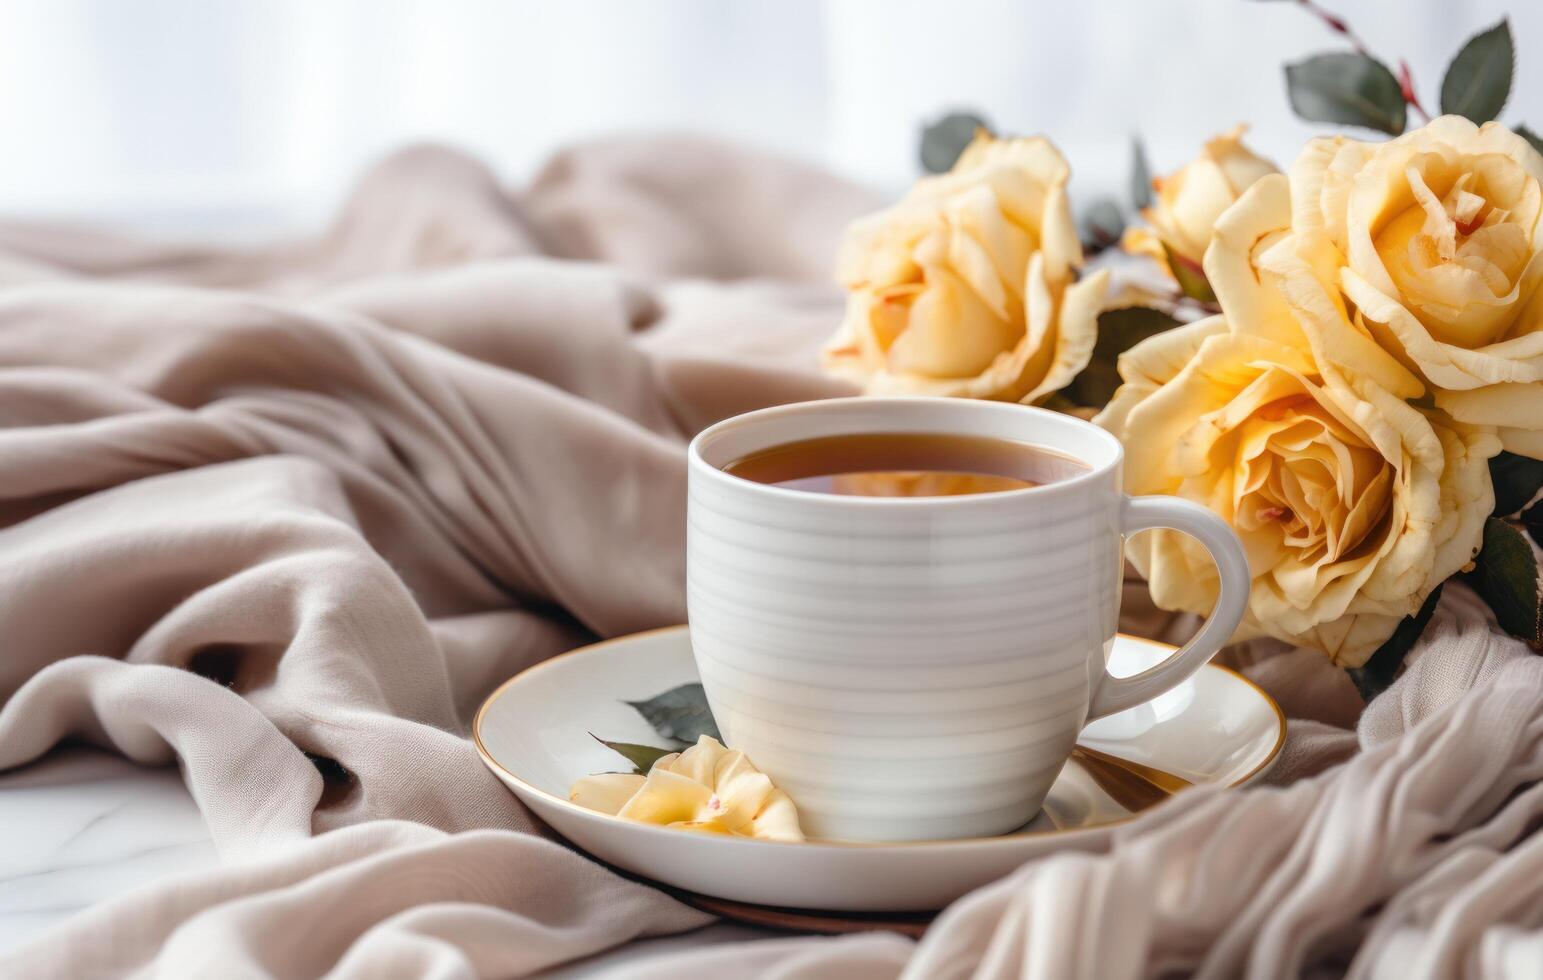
pixel 1405 77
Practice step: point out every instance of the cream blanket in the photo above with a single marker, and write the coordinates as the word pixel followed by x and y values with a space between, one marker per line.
pixel 285 515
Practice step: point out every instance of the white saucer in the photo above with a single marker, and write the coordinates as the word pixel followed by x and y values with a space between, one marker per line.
pixel 534 733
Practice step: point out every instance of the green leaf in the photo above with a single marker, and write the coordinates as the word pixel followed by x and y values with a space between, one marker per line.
pixel 1190 276
pixel 1349 88
pixel 1140 176
pixel 1101 225
pixel 1376 675
pixel 1531 137
pixel 1506 576
pixel 680 713
pixel 1517 480
pixel 944 140
pixel 1532 521
pixel 1118 331
pixel 1478 81
pixel 642 757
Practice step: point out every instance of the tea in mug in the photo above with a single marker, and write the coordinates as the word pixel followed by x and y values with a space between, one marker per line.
pixel 906 464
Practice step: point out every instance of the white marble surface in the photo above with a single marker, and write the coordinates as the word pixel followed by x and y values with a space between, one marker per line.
pixel 82 826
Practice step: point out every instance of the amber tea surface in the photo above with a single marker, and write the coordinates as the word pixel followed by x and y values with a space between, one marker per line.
pixel 906 464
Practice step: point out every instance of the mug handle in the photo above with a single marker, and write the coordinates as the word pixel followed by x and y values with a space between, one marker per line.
pixel 1174 513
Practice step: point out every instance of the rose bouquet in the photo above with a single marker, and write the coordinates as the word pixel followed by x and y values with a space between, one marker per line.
pixel 1348 366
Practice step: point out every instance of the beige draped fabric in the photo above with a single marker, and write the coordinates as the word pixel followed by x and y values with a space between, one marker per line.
pixel 283 516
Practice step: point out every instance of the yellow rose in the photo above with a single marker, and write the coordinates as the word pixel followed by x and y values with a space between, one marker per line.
pixel 706 788
pixel 1431 244
pixel 1351 504
pixel 968 286
pixel 1190 200
pixel 1268 288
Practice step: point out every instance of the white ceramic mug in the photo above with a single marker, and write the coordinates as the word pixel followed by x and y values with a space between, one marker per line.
pixel 919 668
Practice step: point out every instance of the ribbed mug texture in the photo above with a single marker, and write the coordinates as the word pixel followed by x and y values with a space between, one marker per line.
pixel 905 668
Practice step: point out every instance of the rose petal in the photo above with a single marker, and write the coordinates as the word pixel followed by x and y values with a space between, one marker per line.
pixel 607 792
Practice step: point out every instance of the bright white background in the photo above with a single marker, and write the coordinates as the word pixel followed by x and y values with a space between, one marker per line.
pixel 201 114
